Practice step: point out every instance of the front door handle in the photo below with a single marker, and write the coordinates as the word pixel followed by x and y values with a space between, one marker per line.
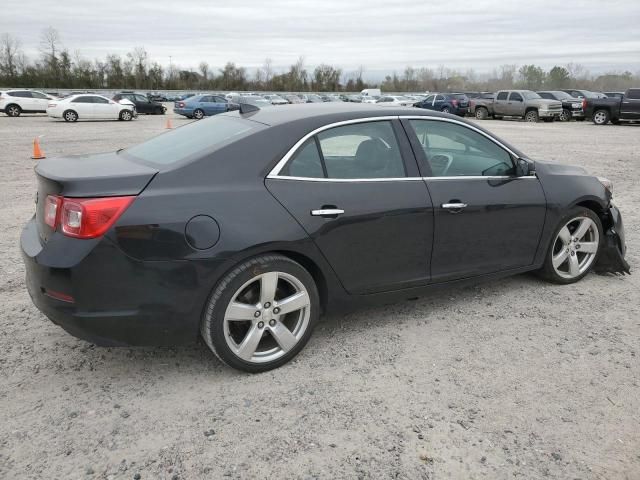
pixel 454 207
pixel 327 212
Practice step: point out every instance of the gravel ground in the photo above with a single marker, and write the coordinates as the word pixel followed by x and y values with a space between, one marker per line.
pixel 512 379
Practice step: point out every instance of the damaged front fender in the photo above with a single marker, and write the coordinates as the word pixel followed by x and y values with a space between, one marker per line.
pixel 614 248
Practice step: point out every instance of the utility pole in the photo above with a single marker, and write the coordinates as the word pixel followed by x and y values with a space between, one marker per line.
pixel 170 72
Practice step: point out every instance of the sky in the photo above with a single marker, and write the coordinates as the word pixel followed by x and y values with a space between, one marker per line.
pixel 602 35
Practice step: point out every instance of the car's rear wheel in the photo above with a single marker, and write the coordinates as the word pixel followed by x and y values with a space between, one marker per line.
pixel 13 110
pixel 601 117
pixel 531 116
pixel 482 113
pixel 198 114
pixel 126 115
pixel 261 314
pixel 575 247
pixel 565 116
pixel 70 116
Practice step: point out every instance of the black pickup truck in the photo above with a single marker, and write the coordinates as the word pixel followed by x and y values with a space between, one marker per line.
pixel 615 110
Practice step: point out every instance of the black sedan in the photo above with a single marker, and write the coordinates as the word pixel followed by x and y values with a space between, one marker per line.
pixel 245 227
pixel 143 104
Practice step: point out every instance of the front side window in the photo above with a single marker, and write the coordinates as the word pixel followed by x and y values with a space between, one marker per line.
pixel 39 95
pixel 454 150
pixel 100 100
pixel 515 97
pixel 142 99
pixel 357 151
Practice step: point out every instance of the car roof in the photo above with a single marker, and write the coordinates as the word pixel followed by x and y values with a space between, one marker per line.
pixel 329 112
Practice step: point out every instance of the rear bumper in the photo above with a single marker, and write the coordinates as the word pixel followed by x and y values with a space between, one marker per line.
pixel 116 300
pixel 183 111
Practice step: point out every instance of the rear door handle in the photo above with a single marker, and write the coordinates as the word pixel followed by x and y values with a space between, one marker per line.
pixel 327 212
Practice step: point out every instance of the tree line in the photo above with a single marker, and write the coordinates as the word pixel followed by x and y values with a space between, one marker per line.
pixel 56 67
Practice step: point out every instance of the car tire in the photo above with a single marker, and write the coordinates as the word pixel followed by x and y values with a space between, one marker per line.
pixel 198 114
pixel 566 249
pixel 163 110
pixel 13 110
pixel 445 110
pixel 531 116
pixel 482 113
pixel 125 115
pixel 601 117
pixel 255 336
pixel 70 116
pixel 565 116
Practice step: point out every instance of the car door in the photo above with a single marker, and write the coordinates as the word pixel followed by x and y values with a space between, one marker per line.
pixel 356 190
pixel 83 106
pixel 104 109
pixel 630 104
pixel 515 105
pixel 40 101
pixel 439 102
pixel 500 103
pixel 486 219
pixel 143 105
pixel 207 103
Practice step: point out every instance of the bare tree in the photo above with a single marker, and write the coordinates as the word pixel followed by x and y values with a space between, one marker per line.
pixel 204 70
pixel 267 69
pixel 9 56
pixel 50 43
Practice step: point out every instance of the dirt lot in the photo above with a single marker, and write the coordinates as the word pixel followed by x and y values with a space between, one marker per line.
pixel 512 379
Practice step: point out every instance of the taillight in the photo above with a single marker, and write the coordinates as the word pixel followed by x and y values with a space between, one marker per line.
pixel 584 104
pixel 180 104
pixel 84 217
pixel 51 209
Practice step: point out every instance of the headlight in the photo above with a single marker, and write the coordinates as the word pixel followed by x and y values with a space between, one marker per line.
pixel 608 184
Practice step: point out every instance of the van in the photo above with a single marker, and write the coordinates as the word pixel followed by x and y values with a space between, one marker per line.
pixel 371 92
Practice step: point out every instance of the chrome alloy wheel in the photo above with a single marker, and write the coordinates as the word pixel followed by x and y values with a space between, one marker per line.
pixel 575 247
pixel 600 117
pixel 266 317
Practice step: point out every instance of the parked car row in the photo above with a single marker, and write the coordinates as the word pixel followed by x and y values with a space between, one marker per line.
pixel 547 105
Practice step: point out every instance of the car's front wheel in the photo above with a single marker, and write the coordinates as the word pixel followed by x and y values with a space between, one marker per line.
pixel 565 116
pixel 446 110
pixel 575 247
pixel 261 314
pixel 531 116
pixel 126 115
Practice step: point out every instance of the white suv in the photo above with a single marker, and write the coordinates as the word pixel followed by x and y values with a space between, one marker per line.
pixel 15 102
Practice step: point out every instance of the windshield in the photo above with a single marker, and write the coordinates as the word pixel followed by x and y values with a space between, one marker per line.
pixel 203 136
pixel 561 95
pixel 530 95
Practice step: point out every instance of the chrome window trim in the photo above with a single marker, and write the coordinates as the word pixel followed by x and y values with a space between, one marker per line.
pixel 274 173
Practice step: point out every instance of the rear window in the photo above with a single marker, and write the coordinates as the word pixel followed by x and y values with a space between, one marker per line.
pixel 202 136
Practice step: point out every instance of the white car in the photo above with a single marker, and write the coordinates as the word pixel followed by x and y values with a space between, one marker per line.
pixel 370 99
pixel 395 101
pixel 15 102
pixel 91 107
pixel 276 99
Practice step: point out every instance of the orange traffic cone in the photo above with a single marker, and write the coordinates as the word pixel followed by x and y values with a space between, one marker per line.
pixel 168 126
pixel 38 154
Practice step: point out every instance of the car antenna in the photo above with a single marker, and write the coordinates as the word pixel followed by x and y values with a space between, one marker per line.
pixel 248 108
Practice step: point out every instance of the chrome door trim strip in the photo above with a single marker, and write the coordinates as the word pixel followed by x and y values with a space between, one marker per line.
pixel 309 179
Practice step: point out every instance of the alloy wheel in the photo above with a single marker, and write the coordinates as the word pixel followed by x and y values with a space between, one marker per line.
pixel 575 247
pixel 267 317
pixel 565 116
pixel 600 117
pixel 13 111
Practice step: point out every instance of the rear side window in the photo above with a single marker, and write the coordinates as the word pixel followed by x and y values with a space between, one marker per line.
pixel 198 137
pixel 502 95
pixel 306 163
pixel 21 94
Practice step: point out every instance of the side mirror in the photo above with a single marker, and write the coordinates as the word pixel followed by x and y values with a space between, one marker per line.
pixel 525 168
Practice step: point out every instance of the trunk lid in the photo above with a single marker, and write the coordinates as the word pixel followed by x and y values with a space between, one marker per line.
pixel 100 175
